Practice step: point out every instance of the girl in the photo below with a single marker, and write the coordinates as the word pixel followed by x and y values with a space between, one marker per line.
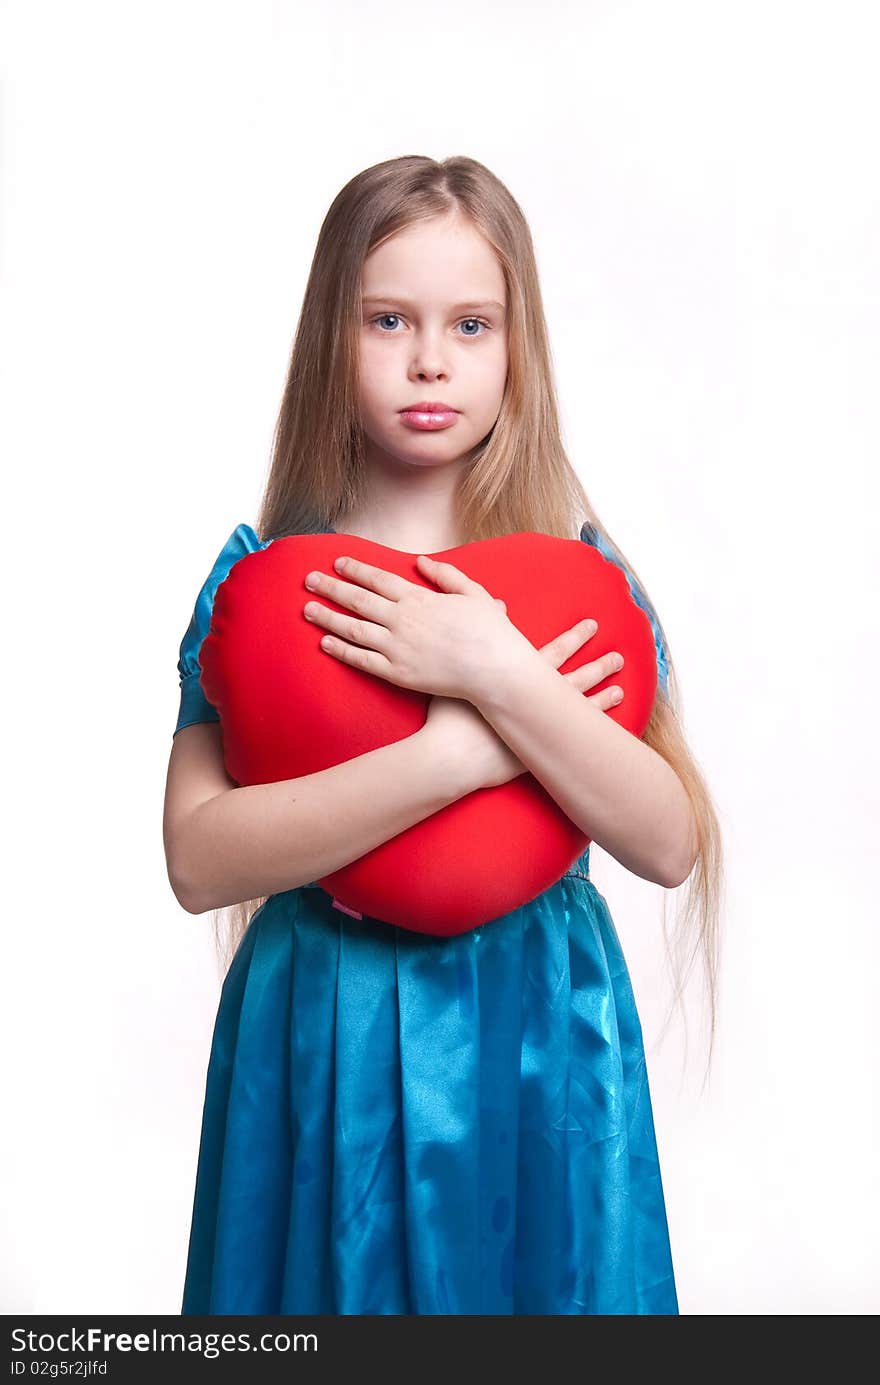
pixel 396 1123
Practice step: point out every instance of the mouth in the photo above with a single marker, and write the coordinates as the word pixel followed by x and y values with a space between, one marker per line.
pixel 429 416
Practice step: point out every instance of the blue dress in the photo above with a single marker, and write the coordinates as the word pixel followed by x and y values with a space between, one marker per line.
pixel 399 1123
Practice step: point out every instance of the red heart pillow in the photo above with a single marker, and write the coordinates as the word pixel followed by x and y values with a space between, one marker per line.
pixel 288 709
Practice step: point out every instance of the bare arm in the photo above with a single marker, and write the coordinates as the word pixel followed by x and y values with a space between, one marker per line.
pixel 225 843
pixel 619 791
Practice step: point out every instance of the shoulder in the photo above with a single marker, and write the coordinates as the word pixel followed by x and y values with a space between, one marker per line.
pixel 591 535
pixel 194 706
pixel 243 539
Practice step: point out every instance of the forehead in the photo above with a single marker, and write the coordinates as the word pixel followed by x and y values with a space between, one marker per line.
pixel 441 263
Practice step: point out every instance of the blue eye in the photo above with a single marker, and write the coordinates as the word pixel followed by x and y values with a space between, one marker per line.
pixel 479 321
pixel 396 316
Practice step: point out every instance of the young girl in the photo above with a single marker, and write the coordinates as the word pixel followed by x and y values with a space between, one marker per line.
pixel 396 1123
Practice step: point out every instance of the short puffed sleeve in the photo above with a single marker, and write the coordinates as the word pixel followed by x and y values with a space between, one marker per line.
pixel 194 706
pixel 590 534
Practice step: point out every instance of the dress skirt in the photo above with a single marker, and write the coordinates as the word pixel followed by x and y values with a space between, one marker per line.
pixel 398 1123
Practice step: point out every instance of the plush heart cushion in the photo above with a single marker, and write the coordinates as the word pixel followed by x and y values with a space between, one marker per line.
pixel 287 709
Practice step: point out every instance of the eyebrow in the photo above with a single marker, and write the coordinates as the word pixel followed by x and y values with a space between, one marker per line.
pixel 455 308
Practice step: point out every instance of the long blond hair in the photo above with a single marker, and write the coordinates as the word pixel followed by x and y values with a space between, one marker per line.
pixel 318 472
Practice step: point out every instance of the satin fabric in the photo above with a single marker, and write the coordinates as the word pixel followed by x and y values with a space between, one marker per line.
pixel 400 1124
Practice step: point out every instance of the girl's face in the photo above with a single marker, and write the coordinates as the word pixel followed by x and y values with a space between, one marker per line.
pixel 433 327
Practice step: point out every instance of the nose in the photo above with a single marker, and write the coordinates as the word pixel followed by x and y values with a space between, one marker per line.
pixel 428 362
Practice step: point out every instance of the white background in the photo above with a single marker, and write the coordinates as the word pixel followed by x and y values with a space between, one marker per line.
pixel 702 185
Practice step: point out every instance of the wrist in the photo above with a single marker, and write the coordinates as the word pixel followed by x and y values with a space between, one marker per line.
pixel 447 762
pixel 497 687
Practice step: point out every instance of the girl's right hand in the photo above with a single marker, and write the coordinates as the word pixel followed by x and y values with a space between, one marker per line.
pixel 489 759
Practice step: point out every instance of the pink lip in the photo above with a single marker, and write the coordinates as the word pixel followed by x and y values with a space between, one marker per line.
pixel 429 406
pixel 429 420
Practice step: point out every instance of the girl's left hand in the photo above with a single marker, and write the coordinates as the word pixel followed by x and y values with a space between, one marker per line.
pixel 455 642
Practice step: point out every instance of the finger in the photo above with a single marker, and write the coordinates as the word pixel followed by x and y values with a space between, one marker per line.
pixel 367 660
pixel 366 603
pixel 608 697
pixel 564 645
pixel 388 584
pixel 594 671
pixel 357 631
pixel 447 576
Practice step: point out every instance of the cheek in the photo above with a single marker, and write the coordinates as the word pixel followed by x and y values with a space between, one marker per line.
pixel 492 364
pixel 376 380
pixel 369 409
pixel 490 385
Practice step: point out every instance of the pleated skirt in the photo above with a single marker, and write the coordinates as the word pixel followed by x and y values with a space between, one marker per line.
pixel 401 1124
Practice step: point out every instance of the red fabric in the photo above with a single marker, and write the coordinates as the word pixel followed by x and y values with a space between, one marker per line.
pixel 287 709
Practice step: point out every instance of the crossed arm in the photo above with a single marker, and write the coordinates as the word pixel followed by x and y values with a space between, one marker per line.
pixel 619 791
